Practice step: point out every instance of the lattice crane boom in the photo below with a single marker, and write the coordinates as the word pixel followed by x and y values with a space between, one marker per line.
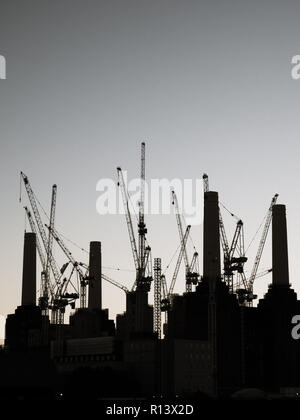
pixel 65 250
pixel 40 252
pixel 262 242
pixel 147 259
pixel 180 228
pixel 223 236
pixel 183 245
pixel 142 230
pixel 115 283
pixel 121 184
pixel 50 240
pixel 141 224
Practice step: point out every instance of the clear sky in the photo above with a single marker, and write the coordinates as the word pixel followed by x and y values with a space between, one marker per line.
pixel 207 85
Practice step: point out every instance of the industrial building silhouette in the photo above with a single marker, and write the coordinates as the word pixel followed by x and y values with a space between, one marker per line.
pixel 212 347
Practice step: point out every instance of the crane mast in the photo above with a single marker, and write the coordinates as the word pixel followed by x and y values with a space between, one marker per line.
pixel 157 297
pixel 58 304
pixel 141 224
pixel 143 281
pixel 45 278
pixel 46 286
pixel 141 255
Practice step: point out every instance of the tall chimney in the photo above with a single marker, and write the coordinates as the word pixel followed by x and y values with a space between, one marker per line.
pixel 279 247
pixel 95 272
pixel 211 237
pixel 29 270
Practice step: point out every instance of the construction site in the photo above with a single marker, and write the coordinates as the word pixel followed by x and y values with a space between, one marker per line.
pixel 214 339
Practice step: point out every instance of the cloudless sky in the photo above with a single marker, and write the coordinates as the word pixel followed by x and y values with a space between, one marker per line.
pixel 206 84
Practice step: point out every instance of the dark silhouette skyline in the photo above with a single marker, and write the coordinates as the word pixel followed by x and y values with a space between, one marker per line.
pixel 213 346
pixel 208 87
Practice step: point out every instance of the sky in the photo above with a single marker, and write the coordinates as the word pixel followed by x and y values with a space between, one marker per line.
pixel 206 84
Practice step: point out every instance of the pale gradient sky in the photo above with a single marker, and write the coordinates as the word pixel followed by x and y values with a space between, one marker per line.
pixel 206 84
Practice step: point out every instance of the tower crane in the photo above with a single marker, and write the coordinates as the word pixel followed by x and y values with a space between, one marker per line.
pixel 157 297
pixel 57 304
pixel 231 263
pixel 49 260
pixel 223 236
pixel 83 276
pixel 42 258
pixel 141 255
pixel 38 243
pixel 42 303
pixel 191 277
pixel 141 224
pixel 40 226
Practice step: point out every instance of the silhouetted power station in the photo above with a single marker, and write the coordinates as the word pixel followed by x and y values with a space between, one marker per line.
pixel 215 343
